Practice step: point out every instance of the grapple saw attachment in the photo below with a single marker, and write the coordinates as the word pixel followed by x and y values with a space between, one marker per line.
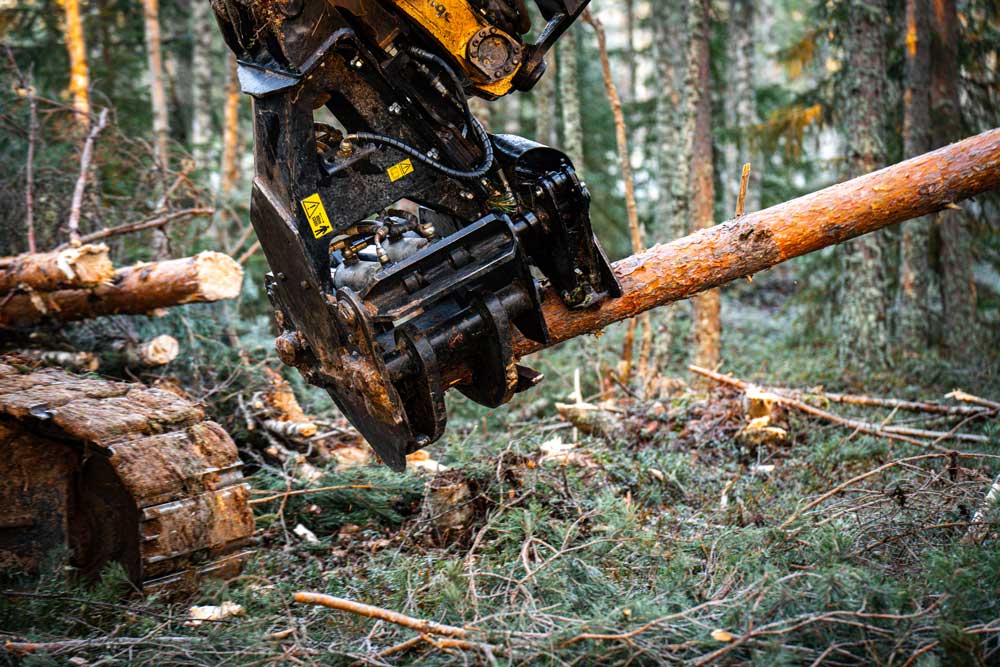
pixel 405 242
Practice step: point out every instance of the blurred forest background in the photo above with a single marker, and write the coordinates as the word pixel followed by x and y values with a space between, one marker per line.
pixel 809 92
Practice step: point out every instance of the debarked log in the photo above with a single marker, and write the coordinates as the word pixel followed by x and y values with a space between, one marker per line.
pixel 83 266
pixel 207 277
pixel 757 241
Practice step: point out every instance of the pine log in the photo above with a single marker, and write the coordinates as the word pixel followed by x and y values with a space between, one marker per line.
pixel 207 277
pixel 757 241
pixel 84 266
pixel 153 353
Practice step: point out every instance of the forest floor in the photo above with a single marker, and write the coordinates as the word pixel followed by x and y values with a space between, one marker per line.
pixel 670 537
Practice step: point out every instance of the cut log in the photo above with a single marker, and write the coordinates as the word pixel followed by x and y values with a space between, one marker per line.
pixel 757 241
pixel 85 266
pixel 153 353
pixel 207 277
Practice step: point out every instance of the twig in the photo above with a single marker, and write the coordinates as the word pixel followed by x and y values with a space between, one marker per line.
pixel 251 251
pixel 854 480
pixel 423 626
pixel 67 645
pixel 81 181
pixel 960 395
pixel 141 225
pixel 305 492
pixel 741 198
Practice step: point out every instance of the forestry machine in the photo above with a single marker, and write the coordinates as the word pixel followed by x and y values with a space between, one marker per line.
pixel 406 243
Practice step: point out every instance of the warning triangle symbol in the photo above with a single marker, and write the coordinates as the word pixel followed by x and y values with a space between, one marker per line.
pixel 310 206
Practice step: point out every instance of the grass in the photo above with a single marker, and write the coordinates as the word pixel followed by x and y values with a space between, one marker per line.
pixel 632 560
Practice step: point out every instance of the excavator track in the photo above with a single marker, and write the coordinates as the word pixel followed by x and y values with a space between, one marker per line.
pixel 106 471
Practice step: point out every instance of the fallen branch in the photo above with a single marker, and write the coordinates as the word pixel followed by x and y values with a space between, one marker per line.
pixel 759 240
pixel 862 427
pixel 892 403
pixel 73 224
pixel 289 429
pixel 423 626
pixel 83 266
pixel 960 395
pixel 871 473
pixel 207 277
pixel 70 645
pixel 152 223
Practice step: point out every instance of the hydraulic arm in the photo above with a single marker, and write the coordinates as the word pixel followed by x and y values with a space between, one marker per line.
pixel 404 240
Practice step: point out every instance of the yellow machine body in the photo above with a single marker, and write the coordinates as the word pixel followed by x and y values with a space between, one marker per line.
pixel 457 26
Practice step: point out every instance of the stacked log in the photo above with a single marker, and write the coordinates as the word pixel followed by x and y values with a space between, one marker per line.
pixel 82 267
pixel 140 289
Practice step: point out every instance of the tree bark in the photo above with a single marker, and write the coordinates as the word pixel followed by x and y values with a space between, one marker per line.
pixel 741 105
pixel 707 305
pixel 759 240
pixel 569 94
pixel 958 290
pixel 84 266
pixel 231 130
pixel 625 161
pixel 207 277
pixel 913 330
pixel 863 297
pixel 76 46
pixel 158 96
pixel 201 63
pixel 545 104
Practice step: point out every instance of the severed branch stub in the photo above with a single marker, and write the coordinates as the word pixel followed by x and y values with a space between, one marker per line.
pixel 759 240
pixel 422 626
pixel 207 277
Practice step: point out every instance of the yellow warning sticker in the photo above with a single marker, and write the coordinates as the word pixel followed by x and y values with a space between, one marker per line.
pixel 316 214
pixel 398 171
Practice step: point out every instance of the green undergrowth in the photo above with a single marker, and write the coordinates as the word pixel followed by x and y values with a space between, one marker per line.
pixel 672 542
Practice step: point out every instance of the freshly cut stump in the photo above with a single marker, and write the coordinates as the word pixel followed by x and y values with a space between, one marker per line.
pixel 117 472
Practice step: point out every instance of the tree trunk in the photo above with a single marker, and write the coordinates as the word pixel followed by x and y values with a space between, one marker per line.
pixel 231 131
pixel 545 104
pixel 707 324
pixel 630 56
pixel 569 93
pixel 958 290
pixel 83 266
pixel 741 107
pixel 863 326
pixel 625 161
pixel 207 277
pixel 759 240
pixel 79 77
pixel 201 64
pixel 158 96
pixel 914 251
pixel 674 142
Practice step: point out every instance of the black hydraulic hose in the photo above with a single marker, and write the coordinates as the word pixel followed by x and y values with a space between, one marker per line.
pixel 481 135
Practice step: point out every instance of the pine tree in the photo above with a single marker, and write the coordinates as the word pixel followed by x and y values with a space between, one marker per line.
pixel 203 28
pixel 958 290
pixel 912 328
pixel 862 321
pixel 707 323
pixel 158 97
pixel 569 95
pixel 76 46
pixel 741 107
